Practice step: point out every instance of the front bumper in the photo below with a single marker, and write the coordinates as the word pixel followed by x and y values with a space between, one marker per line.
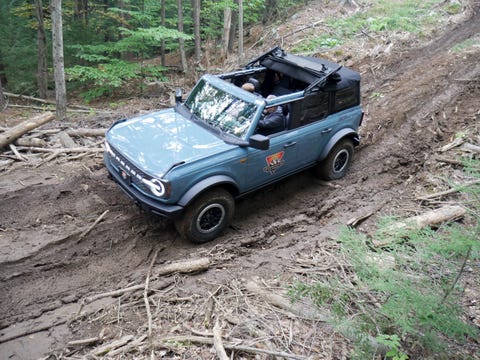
pixel 145 202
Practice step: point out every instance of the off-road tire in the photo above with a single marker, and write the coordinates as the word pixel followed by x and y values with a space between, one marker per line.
pixel 207 216
pixel 338 161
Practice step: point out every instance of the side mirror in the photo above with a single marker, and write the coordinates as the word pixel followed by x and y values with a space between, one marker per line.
pixel 259 142
pixel 178 96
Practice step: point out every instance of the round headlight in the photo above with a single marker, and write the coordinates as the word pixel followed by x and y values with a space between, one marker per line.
pixel 156 186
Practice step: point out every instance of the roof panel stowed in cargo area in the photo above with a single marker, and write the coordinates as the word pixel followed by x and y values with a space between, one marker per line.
pixel 308 69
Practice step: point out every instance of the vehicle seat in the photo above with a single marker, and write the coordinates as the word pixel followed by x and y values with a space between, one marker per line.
pixel 287 108
pixel 255 83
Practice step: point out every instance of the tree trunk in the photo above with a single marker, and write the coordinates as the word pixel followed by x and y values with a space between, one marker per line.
pixel 240 30
pixel 58 62
pixel 80 10
pixel 270 11
pixel 196 29
pixel 181 41
pixel 163 23
pixel 2 97
pixel 227 23
pixel 233 30
pixel 42 75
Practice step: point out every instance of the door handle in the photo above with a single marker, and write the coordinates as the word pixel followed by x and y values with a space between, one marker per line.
pixel 326 131
pixel 290 144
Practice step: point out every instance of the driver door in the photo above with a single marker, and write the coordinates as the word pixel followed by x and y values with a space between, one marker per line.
pixel 267 166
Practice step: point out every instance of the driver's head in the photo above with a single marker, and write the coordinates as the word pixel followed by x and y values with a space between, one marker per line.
pixel 272 108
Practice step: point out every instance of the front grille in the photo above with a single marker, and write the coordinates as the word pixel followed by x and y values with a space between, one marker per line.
pixel 121 163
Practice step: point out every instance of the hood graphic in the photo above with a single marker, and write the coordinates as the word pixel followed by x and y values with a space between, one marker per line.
pixel 156 141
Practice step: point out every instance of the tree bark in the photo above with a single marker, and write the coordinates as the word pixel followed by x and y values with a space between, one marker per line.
pixel 187 266
pixel 270 11
pixel 163 23
pixel 15 132
pixel 196 29
pixel 227 22
pixel 2 97
pixel 58 61
pixel 81 10
pixel 42 75
pixel 233 30
pixel 181 41
pixel 240 30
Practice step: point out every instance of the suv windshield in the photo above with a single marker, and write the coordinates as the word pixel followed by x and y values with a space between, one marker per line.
pixel 220 109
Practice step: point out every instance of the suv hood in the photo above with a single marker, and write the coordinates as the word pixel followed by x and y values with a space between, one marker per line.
pixel 156 141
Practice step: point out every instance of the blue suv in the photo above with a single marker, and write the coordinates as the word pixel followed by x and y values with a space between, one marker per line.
pixel 190 162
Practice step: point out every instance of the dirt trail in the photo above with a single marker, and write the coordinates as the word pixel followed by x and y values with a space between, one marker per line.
pixel 425 97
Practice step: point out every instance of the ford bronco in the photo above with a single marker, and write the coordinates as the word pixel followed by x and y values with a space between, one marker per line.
pixel 190 162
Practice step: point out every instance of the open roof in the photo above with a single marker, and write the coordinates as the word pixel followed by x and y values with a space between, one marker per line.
pixel 306 69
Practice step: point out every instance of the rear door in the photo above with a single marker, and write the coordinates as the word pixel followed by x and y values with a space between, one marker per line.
pixel 309 118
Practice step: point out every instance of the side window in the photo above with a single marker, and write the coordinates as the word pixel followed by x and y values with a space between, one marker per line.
pixel 346 98
pixel 312 108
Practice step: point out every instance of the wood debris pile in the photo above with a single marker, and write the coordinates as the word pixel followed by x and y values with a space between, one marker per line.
pixel 30 144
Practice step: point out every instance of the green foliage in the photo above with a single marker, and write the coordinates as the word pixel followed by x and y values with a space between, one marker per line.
pixel 380 17
pixel 466 44
pixel 392 342
pixel 322 42
pixel 107 31
pixel 453 7
pixel 105 78
pixel 408 291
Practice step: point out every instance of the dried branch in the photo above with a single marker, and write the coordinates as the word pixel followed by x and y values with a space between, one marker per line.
pixel 145 294
pixel 86 232
pixel 218 342
pixel 230 346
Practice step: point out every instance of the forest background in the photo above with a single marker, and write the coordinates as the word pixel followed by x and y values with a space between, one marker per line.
pixel 111 42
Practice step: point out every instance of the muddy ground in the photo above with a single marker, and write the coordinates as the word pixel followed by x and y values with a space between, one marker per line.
pixel 418 96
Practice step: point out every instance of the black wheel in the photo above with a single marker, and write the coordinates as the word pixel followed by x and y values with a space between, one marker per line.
pixel 338 161
pixel 207 216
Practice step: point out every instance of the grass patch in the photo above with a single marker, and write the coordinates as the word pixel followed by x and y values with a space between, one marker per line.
pixel 466 44
pixel 378 17
pixel 407 295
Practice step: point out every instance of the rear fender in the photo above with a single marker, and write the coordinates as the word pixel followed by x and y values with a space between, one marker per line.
pixel 347 132
pixel 200 187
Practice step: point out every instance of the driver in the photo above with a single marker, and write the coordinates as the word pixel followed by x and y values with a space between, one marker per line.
pixel 273 120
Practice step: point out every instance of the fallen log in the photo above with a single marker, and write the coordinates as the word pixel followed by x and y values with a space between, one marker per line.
pixel 61 150
pixel 188 266
pixel 470 148
pixel 66 140
pixel 15 132
pixel 280 300
pixel 431 218
pixel 105 349
pixel 447 192
pixel 86 132
pixel 45 101
pixel 31 142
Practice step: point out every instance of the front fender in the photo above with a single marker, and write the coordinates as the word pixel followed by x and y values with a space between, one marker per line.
pixel 206 184
pixel 347 132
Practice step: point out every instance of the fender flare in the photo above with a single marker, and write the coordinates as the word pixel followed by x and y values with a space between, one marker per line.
pixel 205 184
pixel 346 132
